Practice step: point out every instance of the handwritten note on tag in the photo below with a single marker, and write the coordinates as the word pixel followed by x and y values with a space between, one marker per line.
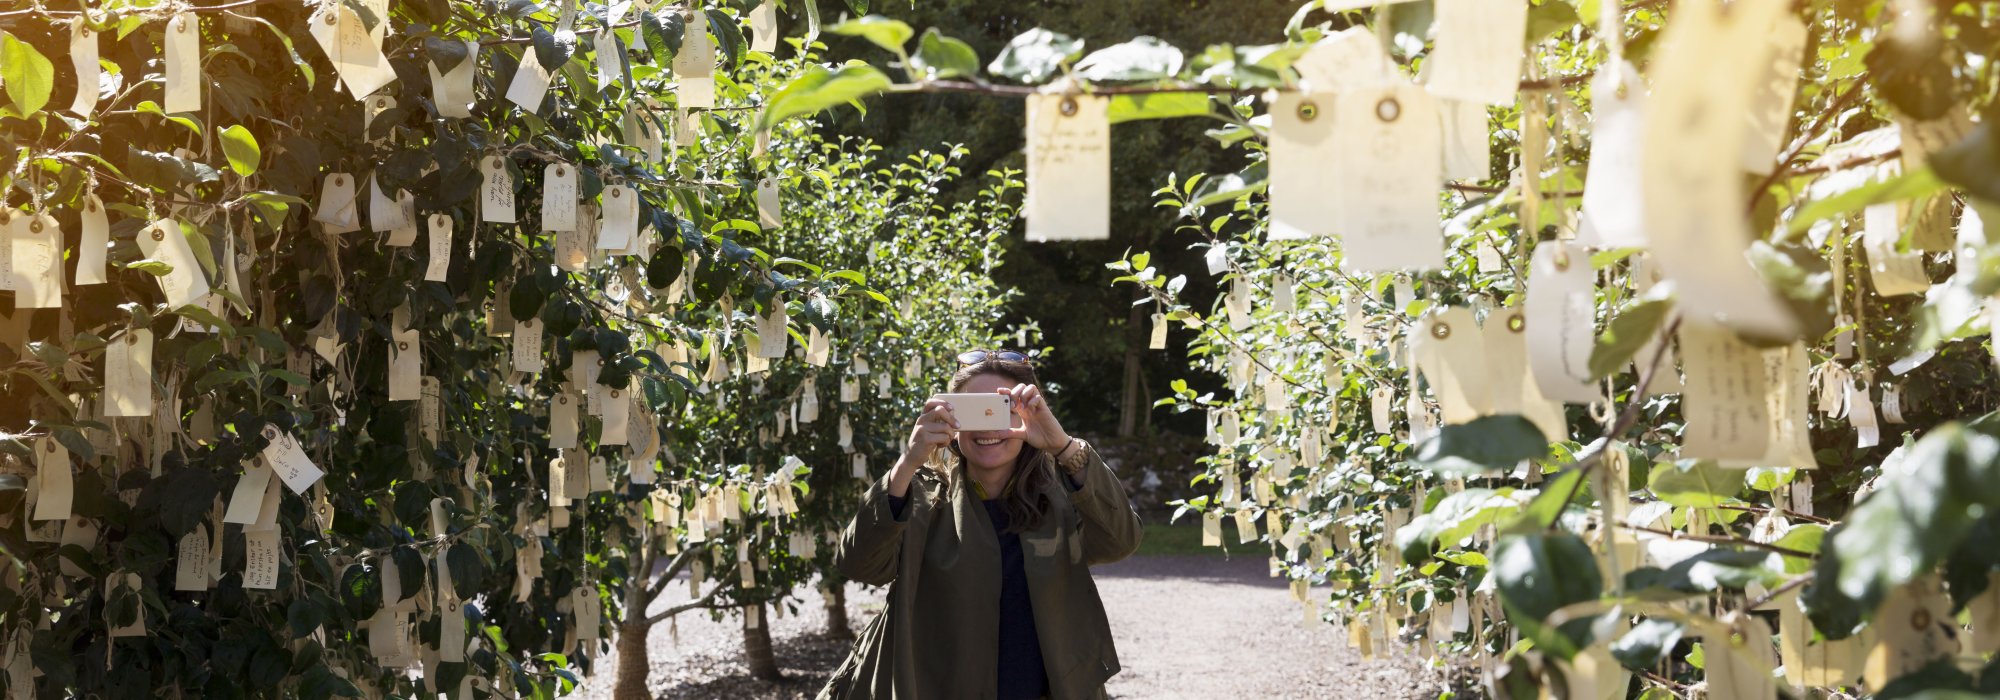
pixel 1724 400
pixel 1069 168
pixel 355 52
pixel 496 191
pixel 165 242
pixel 183 64
pixel 440 248
pixel 289 461
pixel 83 60
pixel 260 560
pixel 527 353
pixel 1478 55
pixel 559 197
pixel 1561 304
pixel 1388 180
pixel 191 561
pixel 1302 145
pixel 37 263
pixel 694 65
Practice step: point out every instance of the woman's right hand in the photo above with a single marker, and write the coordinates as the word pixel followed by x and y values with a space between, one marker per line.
pixel 934 429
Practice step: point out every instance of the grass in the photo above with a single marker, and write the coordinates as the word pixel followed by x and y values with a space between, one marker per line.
pixel 1179 539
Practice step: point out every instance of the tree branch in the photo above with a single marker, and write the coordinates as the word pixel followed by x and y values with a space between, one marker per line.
pixel 705 601
pixel 1713 539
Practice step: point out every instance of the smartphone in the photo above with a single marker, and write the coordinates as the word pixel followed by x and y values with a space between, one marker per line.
pixel 980 411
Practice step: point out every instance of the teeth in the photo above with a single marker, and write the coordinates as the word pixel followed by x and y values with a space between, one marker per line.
pixel 986 443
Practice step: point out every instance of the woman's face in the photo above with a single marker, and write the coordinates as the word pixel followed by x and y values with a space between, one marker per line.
pixel 988 449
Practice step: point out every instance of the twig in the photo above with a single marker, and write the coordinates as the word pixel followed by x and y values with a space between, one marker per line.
pixel 1786 513
pixel 1625 421
pixel 1780 591
pixel 1713 539
pixel 1805 137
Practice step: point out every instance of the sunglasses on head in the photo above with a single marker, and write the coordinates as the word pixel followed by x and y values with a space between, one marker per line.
pixel 973 357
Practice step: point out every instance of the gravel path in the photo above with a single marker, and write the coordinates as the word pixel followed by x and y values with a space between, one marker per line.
pixel 1187 627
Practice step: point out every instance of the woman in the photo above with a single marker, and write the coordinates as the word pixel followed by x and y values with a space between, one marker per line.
pixel 986 539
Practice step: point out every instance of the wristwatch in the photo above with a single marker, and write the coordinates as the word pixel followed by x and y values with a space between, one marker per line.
pixel 1073 456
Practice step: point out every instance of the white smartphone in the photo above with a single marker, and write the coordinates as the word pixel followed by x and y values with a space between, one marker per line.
pixel 980 411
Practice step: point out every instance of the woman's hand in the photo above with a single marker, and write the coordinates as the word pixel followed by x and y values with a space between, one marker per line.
pixel 934 429
pixel 1040 427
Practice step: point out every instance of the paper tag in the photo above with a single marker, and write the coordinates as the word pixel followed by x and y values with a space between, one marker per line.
pixel 610 59
pixel 496 193
pixel 528 346
pixel 128 375
pixel 337 208
pixel 440 254
pixel 1892 404
pixel 406 365
pixel 182 64
pixel 1159 337
pixel 770 214
pixel 1560 307
pixel 260 560
pixel 355 53
pixel 451 631
pixel 53 479
pixel 1914 627
pixel 1069 167
pixel 1478 56
pixel 83 62
pixel 1774 84
pixel 621 218
pixel 1614 214
pixel 1301 184
pixel 165 242
pixel 1724 402
pixel 559 205
pixel 191 561
pixel 1893 273
pixel 1452 354
pixel 617 411
pixel 91 250
pixel 531 82
pixel 1380 402
pixel 246 502
pixel 1345 60
pixel 1787 385
pixel 1861 414
pixel 694 65
pixel 1694 202
pixel 562 422
pixel 764 27
pixel 289 462
pixel 1467 142
pixel 34 261
pixel 1389 175
pixel 453 92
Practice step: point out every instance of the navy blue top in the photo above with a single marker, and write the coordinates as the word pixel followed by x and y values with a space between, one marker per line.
pixel 1021 673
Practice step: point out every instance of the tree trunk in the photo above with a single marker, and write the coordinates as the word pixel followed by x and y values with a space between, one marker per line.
pixel 757 644
pixel 836 612
pixel 1135 343
pixel 633 666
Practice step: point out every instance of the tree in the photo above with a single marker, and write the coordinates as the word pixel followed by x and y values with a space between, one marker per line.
pixel 1401 430
pixel 248 326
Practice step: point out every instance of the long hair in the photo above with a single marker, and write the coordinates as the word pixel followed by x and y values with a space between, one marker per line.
pixel 1027 503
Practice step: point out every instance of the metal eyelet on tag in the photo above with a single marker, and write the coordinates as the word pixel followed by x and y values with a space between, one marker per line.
pixel 332 18
pixel 339 181
pixel 35 226
pixel 1308 110
pixel 131 340
pixel 1516 323
pixel 614 393
pixel 90 207
pixel 563 400
pixel 86 34
pixel 616 194
pixel 159 235
pixel 496 163
pixel 405 346
pixel 561 171
pixel 1562 261
pixel 1920 619
pixel 182 21
pixel 1440 331
pixel 1069 107
pixel 270 432
pixel 51 447
pixel 381 103
pixel 1388 109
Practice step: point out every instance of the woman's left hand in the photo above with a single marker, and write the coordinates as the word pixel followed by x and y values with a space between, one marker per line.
pixel 1040 427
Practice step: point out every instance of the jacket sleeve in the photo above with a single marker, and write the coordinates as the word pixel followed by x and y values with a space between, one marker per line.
pixel 872 545
pixel 1111 529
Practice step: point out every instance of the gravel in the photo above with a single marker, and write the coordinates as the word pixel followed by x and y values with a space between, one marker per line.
pixel 1187 627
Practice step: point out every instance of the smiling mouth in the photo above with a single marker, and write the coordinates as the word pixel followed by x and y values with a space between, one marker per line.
pixel 986 442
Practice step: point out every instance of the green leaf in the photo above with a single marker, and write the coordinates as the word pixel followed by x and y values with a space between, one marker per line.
pixel 1454 518
pixel 818 89
pixel 1485 444
pixel 664 33
pixel 1906 527
pixel 1804 537
pixel 446 54
pixel 1908 186
pixel 1548 18
pixel 553 49
pixel 1034 55
pixel 1699 483
pixel 1649 641
pixel 1157 105
pixel 29 75
pixel 884 32
pixel 242 150
pixel 152 267
pixel 728 36
pixel 939 57
pixel 1625 334
pixel 1144 58
pixel 1539 573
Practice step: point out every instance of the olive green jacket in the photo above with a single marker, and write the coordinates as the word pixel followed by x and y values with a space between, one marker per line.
pixel 937 639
